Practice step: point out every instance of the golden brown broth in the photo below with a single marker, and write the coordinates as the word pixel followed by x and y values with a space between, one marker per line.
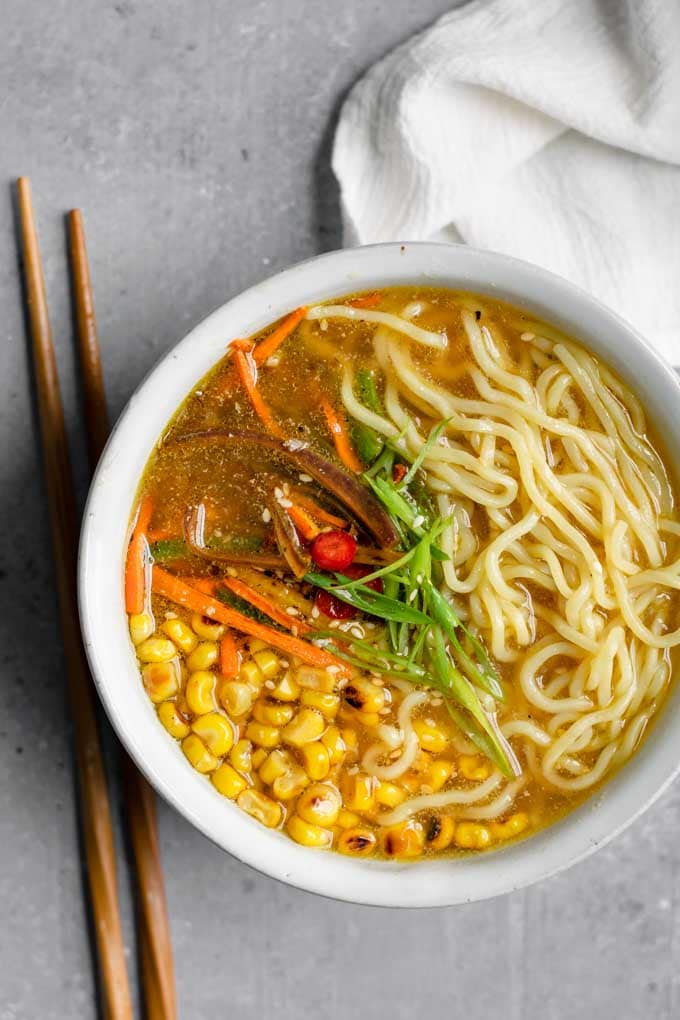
pixel 234 482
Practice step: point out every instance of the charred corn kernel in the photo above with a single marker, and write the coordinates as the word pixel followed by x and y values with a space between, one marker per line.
pixel 228 781
pixel 258 756
pixel 327 704
pixel 358 792
pixel 405 840
pixel 472 836
pixel 432 738
pixel 203 656
pixel 290 784
pixel 267 663
pixel 286 689
pixel 439 832
pixel 260 806
pixel 320 804
pixel 308 834
pixel 474 768
pixel 216 732
pixel 364 695
pixel 207 629
pixel 333 741
pixel 315 679
pixel 251 674
pixel 173 720
pixel 306 726
pixel 438 773
pixel 183 636
pixel 198 754
pixel 272 712
pixel 512 826
pixel 141 627
pixel 357 842
pixel 161 680
pixel 316 760
pixel 350 740
pixel 256 644
pixel 276 764
pixel 156 649
pixel 199 692
pixel 347 819
pixel 241 755
pixel 236 697
pixel 263 735
pixel 389 794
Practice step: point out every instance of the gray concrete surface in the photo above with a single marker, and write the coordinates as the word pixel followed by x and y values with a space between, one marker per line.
pixel 195 136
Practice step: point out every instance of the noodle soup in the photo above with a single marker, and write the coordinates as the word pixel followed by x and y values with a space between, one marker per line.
pixel 402 574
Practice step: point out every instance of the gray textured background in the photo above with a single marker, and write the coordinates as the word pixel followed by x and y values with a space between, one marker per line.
pixel 195 136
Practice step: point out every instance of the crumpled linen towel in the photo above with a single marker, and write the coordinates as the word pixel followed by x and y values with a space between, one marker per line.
pixel 547 129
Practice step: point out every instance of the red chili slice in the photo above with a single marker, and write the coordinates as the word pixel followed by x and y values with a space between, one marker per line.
pixel 334 550
pixel 358 570
pixel 331 606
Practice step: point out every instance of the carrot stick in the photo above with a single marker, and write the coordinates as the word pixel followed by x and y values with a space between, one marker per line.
pixel 246 370
pixel 170 587
pixel 241 345
pixel 265 605
pixel 304 523
pixel 366 300
pixel 136 561
pixel 343 444
pixel 317 511
pixel 266 347
pixel 229 657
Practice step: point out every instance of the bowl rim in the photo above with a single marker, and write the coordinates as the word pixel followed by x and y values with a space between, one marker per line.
pixel 424 883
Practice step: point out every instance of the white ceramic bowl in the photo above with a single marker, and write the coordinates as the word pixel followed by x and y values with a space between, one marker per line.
pixel 428 882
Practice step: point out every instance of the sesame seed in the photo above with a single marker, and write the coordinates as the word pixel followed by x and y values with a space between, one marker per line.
pixel 273 362
pixel 285 503
pixel 418 520
pixel 266 516
pixel 315 613
pixel 232 572
pixel 170 615
pixel 210 611
pixel 334 624
pixel 332 669
pixel 278 492
pixel 292 611
pixel 324 325
pixel 269 684
pixel 527 337
pixel 294 631
pixel 284 662
pixel 305 478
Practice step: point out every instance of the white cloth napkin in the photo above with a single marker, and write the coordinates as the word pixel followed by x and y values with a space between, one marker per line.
pixel 548 129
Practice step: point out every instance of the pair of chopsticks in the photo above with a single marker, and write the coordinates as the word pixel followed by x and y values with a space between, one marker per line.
pixel 156 950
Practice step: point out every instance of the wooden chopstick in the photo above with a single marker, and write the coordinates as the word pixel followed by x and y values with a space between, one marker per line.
pixel 156 947
pixel 94 798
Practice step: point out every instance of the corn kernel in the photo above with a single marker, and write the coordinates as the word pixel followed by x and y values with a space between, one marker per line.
pixel 358 792
pixel 405 840
pixel 364 696
pixel 276 764
pixel 335 745
pixel 308 834
pixel 173 720
pixel 347 819
pixel 215 731
pixel 272 712
pixel 315 679
pixel 228 781
pixel 438 773
pixel 473 768
pixel 256 644
pixel 355 718
pixel 203 656
pixel 183 636
pixel 350 740
pixel 389 794
pixel 267 663
pixel 291 784
pixel 439 832
pixel 357 842
pixel 141 627
pixel 263 735
pixel 199 692
pixel 471 836
pixel 327 704
pixel 308 725
pixel 316 760
pixel 261 807
pixel 286 689
pixel 161 680
pixel 251 674
pixel 320 804
pixel 240 756
pixel 511 827
pixel 206 628
pixel 156 649
pixel 236 697
pixel 258 756
pixel 198 754
pixel 431 738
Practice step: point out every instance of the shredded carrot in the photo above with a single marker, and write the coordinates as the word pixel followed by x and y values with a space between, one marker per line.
pixel 265 605
pixel 266 347
pixel 304 523
pixel 230 659
pixel 241 345
pixel 338 429
pixel 317 511
pixel 247 371
pixel 176 591
pixel 137 559
pixel 366 300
